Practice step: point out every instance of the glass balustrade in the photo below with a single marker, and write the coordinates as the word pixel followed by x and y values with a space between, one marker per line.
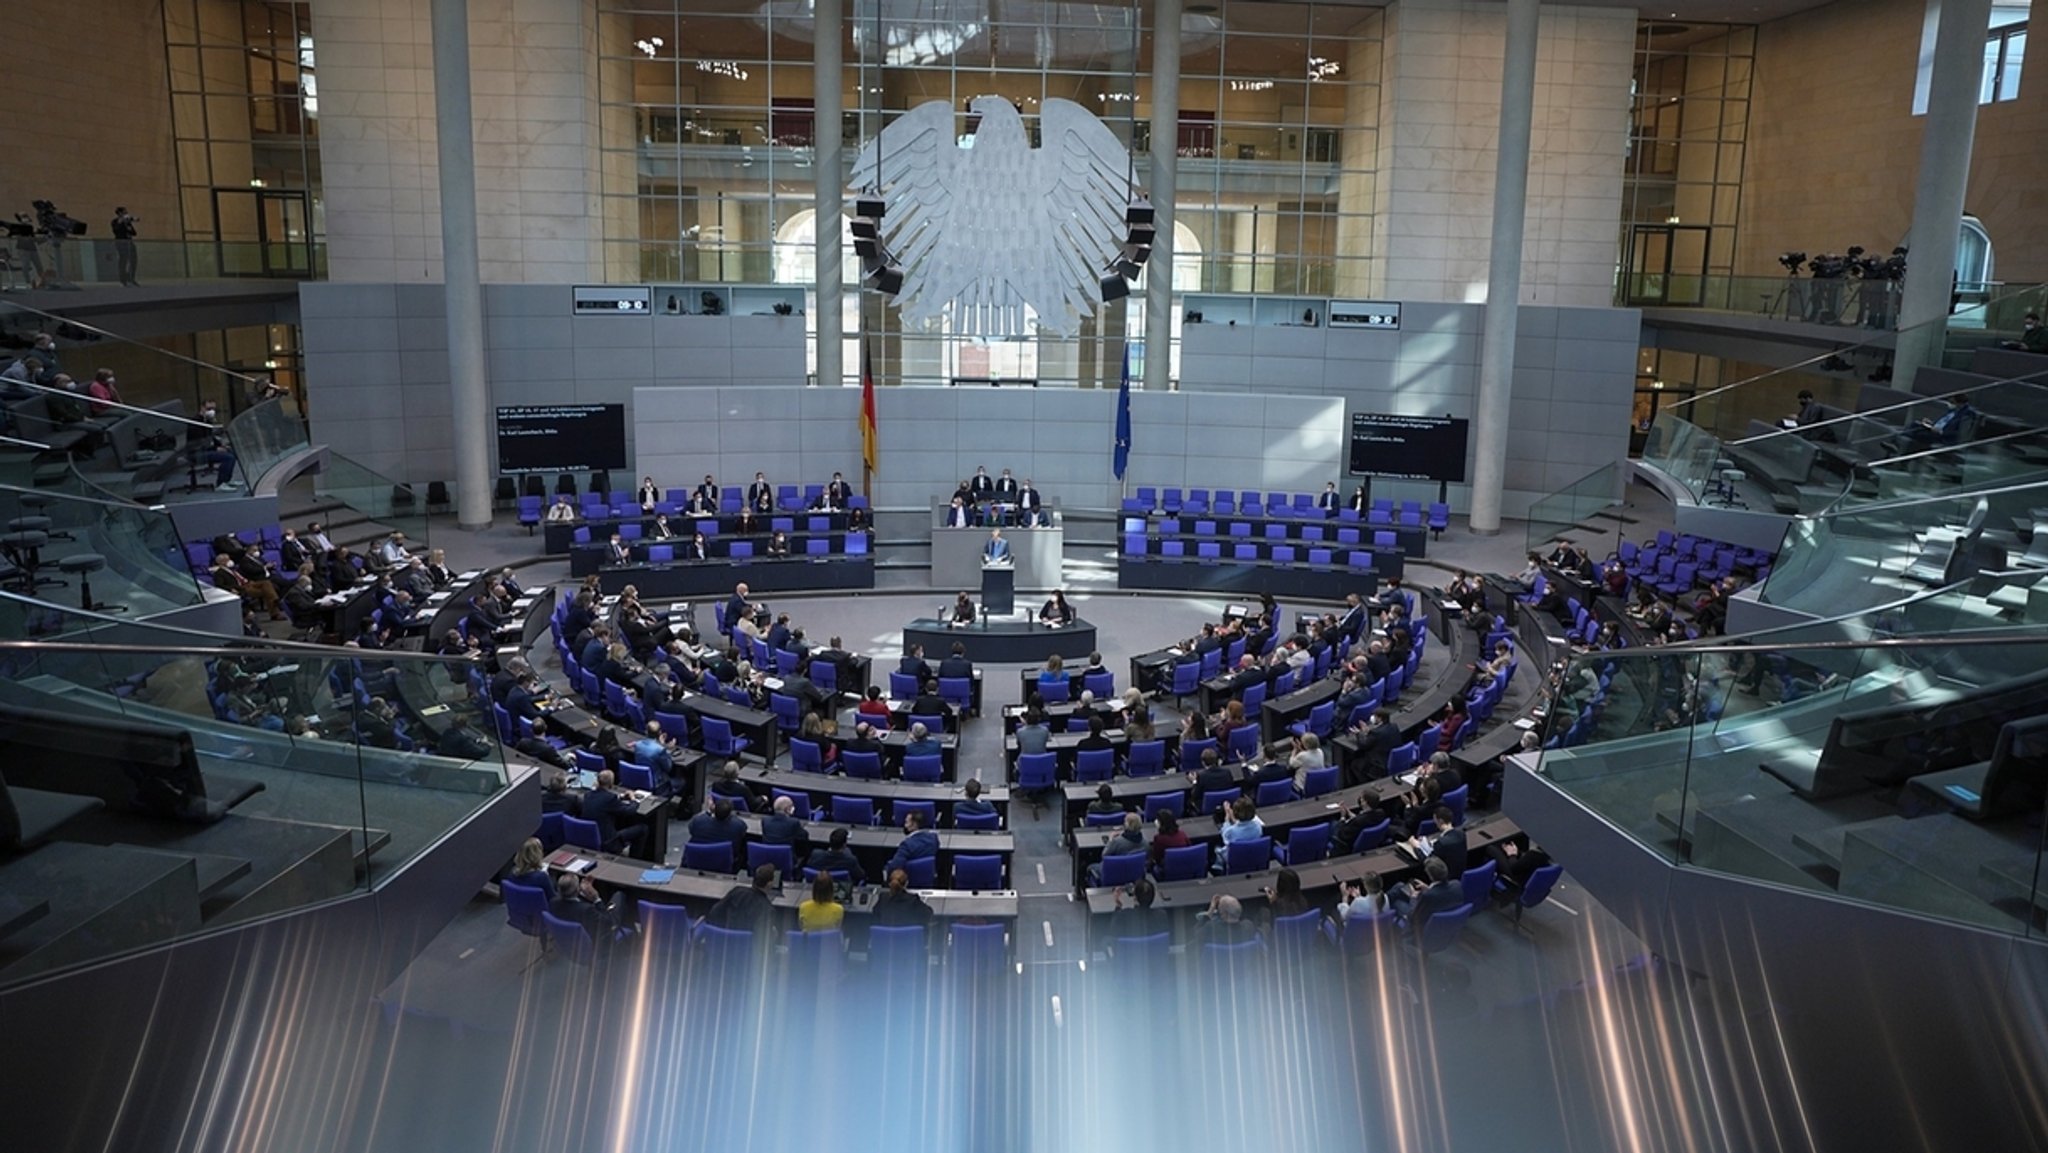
pixel 1853 759
pixel 391 504
pixel 1857 559
pixel 147 441
pixel 1552 516
pixel 171 782
pixel 91 261
pixel 264 434
pixel 69 547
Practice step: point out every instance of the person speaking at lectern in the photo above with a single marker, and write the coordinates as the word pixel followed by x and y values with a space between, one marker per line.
pixel 997 549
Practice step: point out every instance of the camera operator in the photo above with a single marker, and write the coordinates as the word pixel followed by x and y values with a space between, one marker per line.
pixel 123 229
pixel 30 253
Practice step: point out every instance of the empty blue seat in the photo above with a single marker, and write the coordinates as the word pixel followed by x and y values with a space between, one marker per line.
pixel 708 856
pixel 983 871
pixel 1186 863
pixel 926 769
pixel 852 810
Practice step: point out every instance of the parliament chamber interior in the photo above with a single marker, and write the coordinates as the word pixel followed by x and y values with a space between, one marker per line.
pixel 1324 574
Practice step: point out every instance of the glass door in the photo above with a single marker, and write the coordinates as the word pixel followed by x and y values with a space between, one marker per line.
pixel 1667 264
pixel 263 232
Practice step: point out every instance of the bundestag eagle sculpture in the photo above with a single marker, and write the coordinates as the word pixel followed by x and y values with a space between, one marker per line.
pixel 985 228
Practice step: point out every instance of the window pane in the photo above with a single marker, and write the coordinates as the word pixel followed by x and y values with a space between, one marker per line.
pixel 1987 89
pixel 2015 55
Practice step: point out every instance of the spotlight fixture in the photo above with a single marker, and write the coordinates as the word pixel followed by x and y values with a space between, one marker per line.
pixel 879 269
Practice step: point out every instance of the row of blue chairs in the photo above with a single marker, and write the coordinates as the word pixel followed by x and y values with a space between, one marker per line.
pixel 1279 554
pixel 1250 503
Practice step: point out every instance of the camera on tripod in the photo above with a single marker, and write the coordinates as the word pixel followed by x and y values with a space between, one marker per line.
pixel 1792 261
pixel 53 223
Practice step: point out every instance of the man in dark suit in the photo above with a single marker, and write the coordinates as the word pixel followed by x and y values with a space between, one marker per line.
pixel 997 549
pixel 759 491
pixel 1449 846
pixel 523 698
pixel 1380 740
pixel 747 908
pixel 1096 738
pixel 708 492
pixel 618 826
pixel 1212 777
pixel 1330 502
pixel 1208 641
pixel 291 552
pixel 738 606
pixel 928 703
pixel 956 663
pixel 1138 918
pixel 838 493
pixel 1377 663
pixel 717 824
pixel 863 740
pixel 917 844
pixel 662 530
pixel 913 664
pixel 973 806
pixel 778 634
pixel 780 827
pixel 981 487
pixel 1006 488
pixel 1030 507
pixel 835 857
pixel 538 748
pixel 1351 626
pixel 617 552
pixel 575 899
pixel 957 515
pixel 1438 896
pixel 506 678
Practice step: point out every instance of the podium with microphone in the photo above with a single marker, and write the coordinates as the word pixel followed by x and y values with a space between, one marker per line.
pixel 998 577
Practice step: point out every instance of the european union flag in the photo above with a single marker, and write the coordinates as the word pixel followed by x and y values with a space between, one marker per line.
pixel 1123 417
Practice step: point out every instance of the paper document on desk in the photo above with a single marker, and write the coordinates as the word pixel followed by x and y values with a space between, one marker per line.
pixel 657 876
pixel 433 710
pixel 1524 723
pixel 470 575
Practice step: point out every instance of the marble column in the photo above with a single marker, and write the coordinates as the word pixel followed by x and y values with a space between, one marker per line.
pixel 826 169
pixel 469 392
pixel 1165 142
pixel 1504 269
pixel 1945 142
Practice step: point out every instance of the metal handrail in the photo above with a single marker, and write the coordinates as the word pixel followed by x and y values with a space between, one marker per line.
pixel 295 649
pixel 2031 380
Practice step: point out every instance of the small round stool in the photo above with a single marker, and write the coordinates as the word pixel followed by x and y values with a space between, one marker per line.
pixel 35 503
pixel 25 546
pixel 85 564
pixel 39 524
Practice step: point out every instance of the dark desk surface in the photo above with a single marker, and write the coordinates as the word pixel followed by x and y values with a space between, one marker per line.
pixel 1280 712
pixel 1063 745
pixel 702 890
pixel 1003 641
pixel 762 780
pixel 1089 842
pixel 1194 896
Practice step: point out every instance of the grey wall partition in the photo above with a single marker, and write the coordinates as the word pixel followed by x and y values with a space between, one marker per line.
pixel 1259 407
pixel 930 438
pixel 1575 371
pixel 377 357
pixel 1038 556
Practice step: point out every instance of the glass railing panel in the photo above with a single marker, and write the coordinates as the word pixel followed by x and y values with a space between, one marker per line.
pixel 77 549
pixel 1902 773
pixel 264 434
pixel 1552 516
pixel 323 770
pixel 1858 559
pixel 1683 451
pixel 396 506
pixel 1605 747
pixel 152 435
pixel 91 261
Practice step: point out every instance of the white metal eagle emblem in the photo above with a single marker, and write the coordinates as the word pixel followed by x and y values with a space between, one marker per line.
pixel 986 228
